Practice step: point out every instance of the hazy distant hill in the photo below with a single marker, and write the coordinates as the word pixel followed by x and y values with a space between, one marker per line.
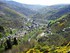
pixel 53 12
pixel 24 8
pixel 19 8
pixel 34 7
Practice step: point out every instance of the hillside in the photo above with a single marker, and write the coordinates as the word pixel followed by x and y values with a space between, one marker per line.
pixel 34 7
pixel 9 17
pixel 52 12
pixel 17 7
pixel 58 32
pixel 54 39
pixel 61 26
pixel 26 9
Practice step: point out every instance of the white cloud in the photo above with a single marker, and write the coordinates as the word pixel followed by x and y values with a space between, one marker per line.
pixel 44 2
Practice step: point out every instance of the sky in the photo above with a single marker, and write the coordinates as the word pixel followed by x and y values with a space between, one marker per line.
pixel 44 2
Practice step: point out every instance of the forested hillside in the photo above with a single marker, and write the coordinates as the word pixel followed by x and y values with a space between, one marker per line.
pixel 61 26
pixel 52 12
pixel 9 17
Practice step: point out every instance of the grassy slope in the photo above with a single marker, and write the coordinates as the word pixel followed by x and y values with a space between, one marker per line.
pixel 9 16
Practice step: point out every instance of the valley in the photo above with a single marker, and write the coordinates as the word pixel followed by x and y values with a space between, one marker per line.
pixel 36 28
